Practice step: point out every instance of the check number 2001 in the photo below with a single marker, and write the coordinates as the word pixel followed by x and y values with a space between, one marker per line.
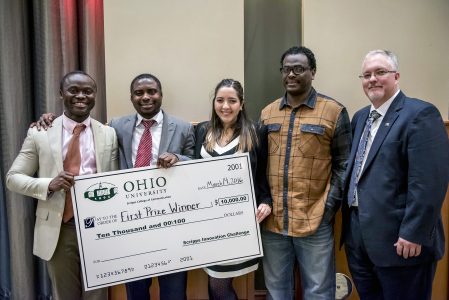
pixel 237 166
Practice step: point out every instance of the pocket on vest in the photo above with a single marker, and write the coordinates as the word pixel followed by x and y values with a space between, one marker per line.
pixel 310 140
pixel 274 137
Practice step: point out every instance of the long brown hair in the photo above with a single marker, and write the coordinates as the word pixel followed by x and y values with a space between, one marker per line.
pixel 243 126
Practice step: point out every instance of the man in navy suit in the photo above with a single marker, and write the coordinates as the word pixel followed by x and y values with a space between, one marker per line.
pixel 396 180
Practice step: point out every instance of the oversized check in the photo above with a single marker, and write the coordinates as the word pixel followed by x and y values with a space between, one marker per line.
pixel 145 222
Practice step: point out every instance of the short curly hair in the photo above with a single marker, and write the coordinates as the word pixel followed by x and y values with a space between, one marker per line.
pixel 301 50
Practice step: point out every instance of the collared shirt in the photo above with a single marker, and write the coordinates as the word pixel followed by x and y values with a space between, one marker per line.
pixel 156 133
pixel 308 150
pixel 382 110
pixel 87 145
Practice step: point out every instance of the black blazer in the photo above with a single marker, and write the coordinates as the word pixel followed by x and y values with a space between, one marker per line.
pixel 402 186
pixel 258 157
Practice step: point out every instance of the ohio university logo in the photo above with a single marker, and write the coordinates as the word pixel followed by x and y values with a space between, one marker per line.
pixel 101 191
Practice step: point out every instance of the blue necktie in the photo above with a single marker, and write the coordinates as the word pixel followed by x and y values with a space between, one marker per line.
pixel 374 115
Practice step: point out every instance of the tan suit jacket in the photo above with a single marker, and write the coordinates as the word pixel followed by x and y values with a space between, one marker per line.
pixel 42 153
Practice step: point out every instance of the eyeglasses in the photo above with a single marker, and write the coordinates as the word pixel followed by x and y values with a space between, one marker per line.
pixel 377 74
pixel 297 70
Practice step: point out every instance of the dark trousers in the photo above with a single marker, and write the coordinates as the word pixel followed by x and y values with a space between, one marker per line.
pixel 385 283
pixel 171 287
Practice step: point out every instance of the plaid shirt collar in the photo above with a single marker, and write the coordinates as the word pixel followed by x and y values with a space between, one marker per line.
pixel 310 102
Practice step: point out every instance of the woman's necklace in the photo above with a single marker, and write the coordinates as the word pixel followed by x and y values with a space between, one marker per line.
pixel 226 136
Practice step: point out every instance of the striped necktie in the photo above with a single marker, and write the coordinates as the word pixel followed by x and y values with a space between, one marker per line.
pixel 360 155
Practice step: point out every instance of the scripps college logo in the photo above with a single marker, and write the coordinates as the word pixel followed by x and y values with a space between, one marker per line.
pixel 101 191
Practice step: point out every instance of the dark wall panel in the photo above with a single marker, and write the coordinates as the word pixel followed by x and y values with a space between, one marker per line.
pixel 271 27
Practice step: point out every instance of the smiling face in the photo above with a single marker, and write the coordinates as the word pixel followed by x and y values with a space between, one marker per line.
pixel 227 105
pixel 146 97
pixel 297 85
pixel 379 88
pixel 78 94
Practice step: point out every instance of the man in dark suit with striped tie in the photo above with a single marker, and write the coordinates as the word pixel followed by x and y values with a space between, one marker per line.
pixel 396 180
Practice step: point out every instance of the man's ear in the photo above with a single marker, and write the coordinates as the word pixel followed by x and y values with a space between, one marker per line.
pixel 397 75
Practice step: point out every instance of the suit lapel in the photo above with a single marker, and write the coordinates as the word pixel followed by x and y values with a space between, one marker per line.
pixel 55 141
pixel 128 129
pixel 99 139
pixel 168 129
pixel 384 128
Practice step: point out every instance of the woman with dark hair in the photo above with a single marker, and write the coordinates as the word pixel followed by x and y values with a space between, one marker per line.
pixel 230 131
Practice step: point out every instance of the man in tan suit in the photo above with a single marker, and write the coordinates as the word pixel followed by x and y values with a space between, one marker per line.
pixel 49 153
